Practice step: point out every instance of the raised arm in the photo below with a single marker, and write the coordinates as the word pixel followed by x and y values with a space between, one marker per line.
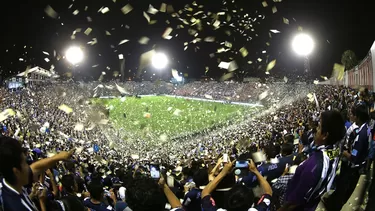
pixel 42 165
pixel 172 198
pixel 262 181
pixel 213 184
pixel 215 169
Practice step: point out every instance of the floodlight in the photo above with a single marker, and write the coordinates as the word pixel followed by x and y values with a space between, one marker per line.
pixel 303 44
pixel 74 55
pixel 159 60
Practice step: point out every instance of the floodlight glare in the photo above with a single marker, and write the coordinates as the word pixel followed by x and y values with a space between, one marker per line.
pixel 74 55
pixel 303 44
pixel 159 61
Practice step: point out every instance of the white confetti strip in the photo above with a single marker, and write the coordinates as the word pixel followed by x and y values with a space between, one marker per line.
pixel 126 9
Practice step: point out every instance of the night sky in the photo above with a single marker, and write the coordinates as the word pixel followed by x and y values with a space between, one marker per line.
pixel 336 26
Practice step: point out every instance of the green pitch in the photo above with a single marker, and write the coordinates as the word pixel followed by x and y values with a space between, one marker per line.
pixel 157 116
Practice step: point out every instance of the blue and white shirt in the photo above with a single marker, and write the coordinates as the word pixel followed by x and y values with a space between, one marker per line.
pixel 12 200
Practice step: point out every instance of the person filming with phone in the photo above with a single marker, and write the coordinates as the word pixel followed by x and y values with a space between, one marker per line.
pixel 240 198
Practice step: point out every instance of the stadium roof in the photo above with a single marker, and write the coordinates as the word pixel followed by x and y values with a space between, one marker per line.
pixel 39 71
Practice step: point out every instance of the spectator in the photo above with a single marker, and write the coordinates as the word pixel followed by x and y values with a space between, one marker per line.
pixel 96 200
pixel 355 159
pixel 240 198
pixel 17 174
pixel 69 185
pixel 313 176
pixel 144 194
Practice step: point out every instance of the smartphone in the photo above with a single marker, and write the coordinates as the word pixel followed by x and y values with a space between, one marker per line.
pixel 225 158
pixel 242 164
pixel 155 171
pixel 107 193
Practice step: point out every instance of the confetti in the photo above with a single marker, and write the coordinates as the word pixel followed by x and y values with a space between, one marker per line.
pixel 316 82
pixel 285 20
pixel 177 112
pixel 6 113
pixel 216 24
pixel 65 108
pixel 152 10
pixel 144 40
pixel 271 65
pixel 275 31
pixel 126 9
pixel 264 4
pixel 46 53
pixel 88 31
pixel 244 52
pixel 108 33
pixel 105 10
pixel 310 97
pixel 147 17
pixel 259 157
pixel 135 157
pixel 78 150
pixel 51 154
pixel 274 9
pixel 163 7
pixel 232 66
pixel 123 41
pixel 79 127
pixel 145 60
pixel 75 12
pixel 167 32
pixel 209 39
pixel 122 90
pixel 208 96
pixel 170 9
pixel 93 41
pixel 50 12
pixel 224 65
pixel 228 44
pixel 46 59
pixel 263 95
pixel 227 76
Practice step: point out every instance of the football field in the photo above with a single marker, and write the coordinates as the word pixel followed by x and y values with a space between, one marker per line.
pixel 162 116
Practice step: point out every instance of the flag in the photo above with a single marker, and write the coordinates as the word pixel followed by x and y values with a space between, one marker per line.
pixel 338 71
pixel 96 148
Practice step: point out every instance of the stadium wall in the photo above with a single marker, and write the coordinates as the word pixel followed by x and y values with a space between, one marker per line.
pixel 363 75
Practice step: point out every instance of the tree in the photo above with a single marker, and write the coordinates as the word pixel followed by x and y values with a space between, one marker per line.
pixel 349 59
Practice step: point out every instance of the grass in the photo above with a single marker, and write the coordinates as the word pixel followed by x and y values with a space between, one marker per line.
pixel 160 116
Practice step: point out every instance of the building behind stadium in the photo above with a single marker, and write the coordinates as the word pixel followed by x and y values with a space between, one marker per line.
pixel 363 75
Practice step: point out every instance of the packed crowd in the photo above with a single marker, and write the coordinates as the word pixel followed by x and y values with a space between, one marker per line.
pixel 58 157
pixel 231 91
